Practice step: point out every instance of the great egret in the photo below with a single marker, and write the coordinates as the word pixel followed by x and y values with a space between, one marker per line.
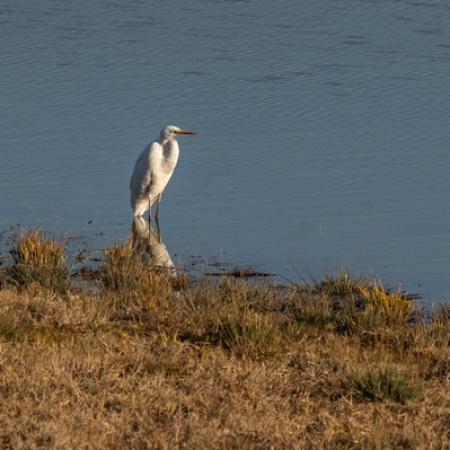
pixel 153 169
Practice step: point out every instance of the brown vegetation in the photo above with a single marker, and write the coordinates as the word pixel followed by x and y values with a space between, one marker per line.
pixel 38 262
pixel 151 361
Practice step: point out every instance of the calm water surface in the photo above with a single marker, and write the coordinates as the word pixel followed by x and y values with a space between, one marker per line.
pixel 324 128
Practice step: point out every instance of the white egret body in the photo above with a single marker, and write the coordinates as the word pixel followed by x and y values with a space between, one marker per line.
pixel 153 169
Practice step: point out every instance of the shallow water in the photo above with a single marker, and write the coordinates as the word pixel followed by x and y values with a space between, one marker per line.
pixel 324 128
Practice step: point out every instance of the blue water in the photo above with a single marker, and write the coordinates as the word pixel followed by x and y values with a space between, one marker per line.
pixel 324 128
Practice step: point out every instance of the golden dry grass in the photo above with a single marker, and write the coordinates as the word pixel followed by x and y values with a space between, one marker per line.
pixel 38 262
pixel 147 362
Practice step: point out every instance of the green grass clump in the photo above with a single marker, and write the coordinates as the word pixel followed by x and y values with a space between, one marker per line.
pixel 11 331
pixel 39 261
pixel 339 286
pixel 249 335
pixel 358 304
pixel 386 384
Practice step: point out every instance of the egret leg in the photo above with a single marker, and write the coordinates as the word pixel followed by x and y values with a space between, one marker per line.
pixel 149 217
pixel 157 208
pixel 159 231
pixel 133 234
pixel 157 216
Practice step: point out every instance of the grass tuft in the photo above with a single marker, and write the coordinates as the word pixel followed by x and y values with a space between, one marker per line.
pixel 386 384
pixel 39 261
pixel 394 305
pixel 360 304
pixel 439 331
pixel 342 285
pixel 249 335
pixel 124 272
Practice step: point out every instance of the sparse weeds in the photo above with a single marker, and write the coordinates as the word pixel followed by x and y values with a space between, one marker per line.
pixel 38 260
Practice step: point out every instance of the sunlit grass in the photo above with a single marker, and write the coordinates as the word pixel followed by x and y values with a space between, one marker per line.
pixel 38 260
pixel 394 305
pixel 355 303
pixel 201 363
pixel 125 274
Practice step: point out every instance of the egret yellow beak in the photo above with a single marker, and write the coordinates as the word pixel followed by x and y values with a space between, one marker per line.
pixel 185 132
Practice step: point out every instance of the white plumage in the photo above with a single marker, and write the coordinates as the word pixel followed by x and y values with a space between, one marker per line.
pixel 153 169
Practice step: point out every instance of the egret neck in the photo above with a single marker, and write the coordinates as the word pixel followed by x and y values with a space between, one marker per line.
pixel 171 151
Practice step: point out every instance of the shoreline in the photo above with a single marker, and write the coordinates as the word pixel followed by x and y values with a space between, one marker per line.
pixel 83 256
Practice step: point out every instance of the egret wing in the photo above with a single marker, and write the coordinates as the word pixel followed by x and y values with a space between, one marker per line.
pixel 142 174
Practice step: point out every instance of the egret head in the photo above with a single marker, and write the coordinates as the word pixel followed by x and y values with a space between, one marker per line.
pixel 171 132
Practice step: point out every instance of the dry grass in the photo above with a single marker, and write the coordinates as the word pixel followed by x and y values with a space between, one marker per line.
pixel 126 274
pixel 38 261
pixel 152 363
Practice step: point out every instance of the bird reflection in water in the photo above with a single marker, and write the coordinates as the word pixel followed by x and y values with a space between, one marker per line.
pixel 148 245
